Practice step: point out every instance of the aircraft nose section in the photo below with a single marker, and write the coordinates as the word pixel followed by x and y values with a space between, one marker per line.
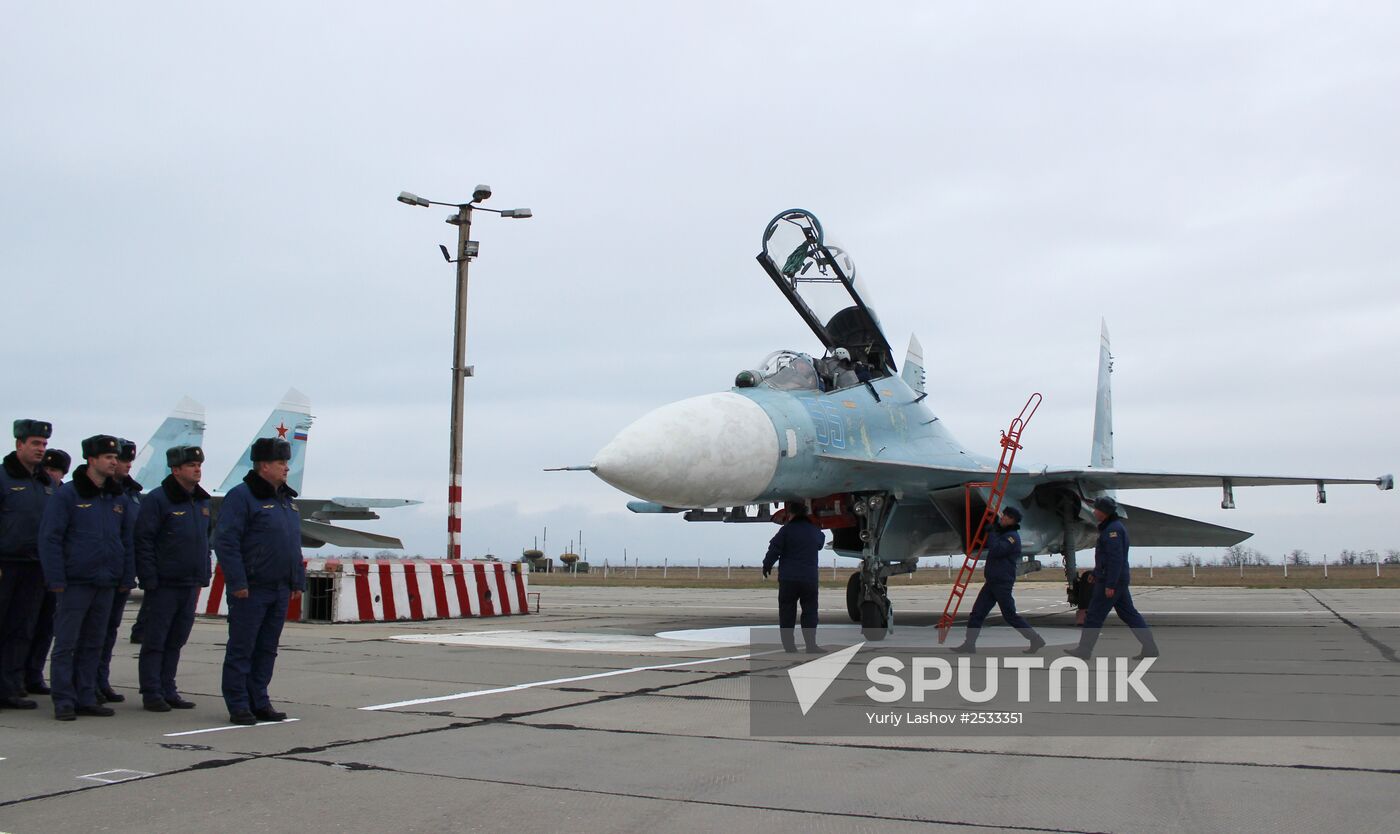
pixel 718 450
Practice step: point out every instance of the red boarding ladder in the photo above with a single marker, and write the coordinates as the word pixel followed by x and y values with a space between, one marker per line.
pixel 1010 443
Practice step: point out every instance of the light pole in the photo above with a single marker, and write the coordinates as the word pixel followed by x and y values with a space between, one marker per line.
pixel 467 249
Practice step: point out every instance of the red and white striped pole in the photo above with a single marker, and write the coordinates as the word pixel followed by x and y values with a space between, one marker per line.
pixel 454 518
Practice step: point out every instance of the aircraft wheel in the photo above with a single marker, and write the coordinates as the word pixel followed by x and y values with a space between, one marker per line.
pixel 872 621
pixel 853 597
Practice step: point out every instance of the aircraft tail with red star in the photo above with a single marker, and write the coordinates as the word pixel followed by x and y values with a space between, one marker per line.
pixel 291 421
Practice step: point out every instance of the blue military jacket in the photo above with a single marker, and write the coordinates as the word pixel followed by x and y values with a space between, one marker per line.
pixel 796 547
pixel 172 537
pixel 1003 551
pixel 258 540
pixel 85 537
pixel 1111 554
pixel 23 495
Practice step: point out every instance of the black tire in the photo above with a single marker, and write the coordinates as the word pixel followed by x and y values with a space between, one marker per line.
pixel 853 597
pixel 872 621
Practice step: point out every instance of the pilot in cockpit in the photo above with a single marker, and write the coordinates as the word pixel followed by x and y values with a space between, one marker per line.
pixel 838 371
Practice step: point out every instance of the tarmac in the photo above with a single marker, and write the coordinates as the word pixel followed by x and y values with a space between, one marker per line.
pixel 580 718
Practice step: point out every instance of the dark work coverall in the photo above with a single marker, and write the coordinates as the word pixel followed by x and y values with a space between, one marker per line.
pixel 23 496
pixel 258 543
pixel 1111 571
pixel 172 564
pixel 114 616
pixel 795 549
pixel 1003 551
pixel 85 546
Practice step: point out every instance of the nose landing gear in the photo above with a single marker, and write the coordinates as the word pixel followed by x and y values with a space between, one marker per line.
pixel 867 591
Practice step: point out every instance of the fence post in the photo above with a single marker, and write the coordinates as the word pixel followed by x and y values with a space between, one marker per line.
pixel 1193 567
pixel 950 567
pixel 727 566
pixel 1324 566
pixel 605 569
pixel 697 567
pixel 1150 573
pixel 665 566
pixel 833 567
pixel 1241 567
pixel 1378 564
pixel 1285 566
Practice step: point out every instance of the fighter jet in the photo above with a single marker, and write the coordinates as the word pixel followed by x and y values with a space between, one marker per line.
pixel 853 435
pixel 291 421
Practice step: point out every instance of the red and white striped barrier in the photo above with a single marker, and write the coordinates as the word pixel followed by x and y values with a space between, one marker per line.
pixel 383 590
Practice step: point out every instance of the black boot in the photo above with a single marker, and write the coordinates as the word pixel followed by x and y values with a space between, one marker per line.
pixel 789 642
pixel 809 636
pixel 1149 645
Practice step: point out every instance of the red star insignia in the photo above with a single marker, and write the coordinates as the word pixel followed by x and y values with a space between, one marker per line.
pixel 281 430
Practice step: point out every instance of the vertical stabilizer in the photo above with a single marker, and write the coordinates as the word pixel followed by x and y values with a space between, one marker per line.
pixel 184 427
pixel 1101 456
pixel 291 421
pixel 913 373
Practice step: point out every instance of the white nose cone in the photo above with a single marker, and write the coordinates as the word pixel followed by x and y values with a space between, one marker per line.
pixel 719 450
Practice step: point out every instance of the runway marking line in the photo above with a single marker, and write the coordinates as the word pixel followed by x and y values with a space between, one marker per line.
pixel 128 776
pixel 229 727
pixel 533 684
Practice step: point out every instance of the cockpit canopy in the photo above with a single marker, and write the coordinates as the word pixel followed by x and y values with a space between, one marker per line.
pixel 819 279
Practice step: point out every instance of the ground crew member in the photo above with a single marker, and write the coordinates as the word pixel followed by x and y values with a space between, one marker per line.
pixel 258 542
pixel 125 455
pixel 172 564
pixel 85 546
pixel 795 548
pixel 24 492
pixel 1111 585
pixel 1003 552
pixel 55 463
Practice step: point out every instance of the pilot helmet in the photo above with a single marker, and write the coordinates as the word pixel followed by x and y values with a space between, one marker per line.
pixel 841 354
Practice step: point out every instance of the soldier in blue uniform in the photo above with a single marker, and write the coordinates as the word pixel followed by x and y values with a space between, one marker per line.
pixel 126 454
pixel 172 564
pixel 24 491
pixel 795 549
pixel 258 542
pixel 1111 585
pixel 55 463
pixel 85 547
pixel 1003 552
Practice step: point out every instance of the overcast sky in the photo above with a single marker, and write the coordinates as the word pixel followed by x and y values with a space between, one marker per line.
pixel 200 201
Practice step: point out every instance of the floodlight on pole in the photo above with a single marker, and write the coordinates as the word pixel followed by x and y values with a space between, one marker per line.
pixel 467 249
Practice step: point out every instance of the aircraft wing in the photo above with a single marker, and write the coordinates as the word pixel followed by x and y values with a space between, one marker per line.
pixel 1092 480
pixel 1153 529
pixel 348 509
pixel 1104 479
pixel 316 533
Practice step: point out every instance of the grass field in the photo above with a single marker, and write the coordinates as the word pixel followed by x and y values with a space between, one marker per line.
pixel 1269 576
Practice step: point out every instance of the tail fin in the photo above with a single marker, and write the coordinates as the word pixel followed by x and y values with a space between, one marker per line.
pixel 1101 456
pixel 913 373
pixel 291 421
pixel 184 427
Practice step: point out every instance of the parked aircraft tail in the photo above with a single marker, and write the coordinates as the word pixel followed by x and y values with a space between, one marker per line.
pixel 1101 456
pixel 184 427
pixel 291 421
pixel 913 373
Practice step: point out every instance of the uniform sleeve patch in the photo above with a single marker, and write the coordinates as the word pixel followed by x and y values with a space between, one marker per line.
pixel 1113 535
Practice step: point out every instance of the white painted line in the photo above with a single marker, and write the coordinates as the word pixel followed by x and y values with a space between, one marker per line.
pixel 229 727
pixel 119 776
pixel 520 686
